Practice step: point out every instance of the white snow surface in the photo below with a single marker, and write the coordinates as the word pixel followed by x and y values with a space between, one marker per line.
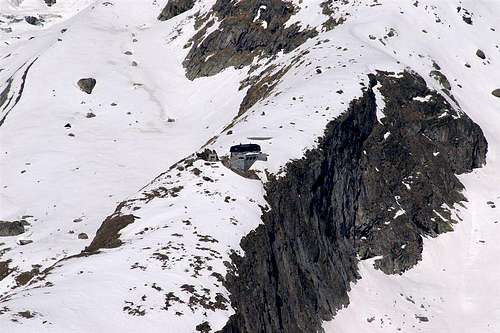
pixel 179 241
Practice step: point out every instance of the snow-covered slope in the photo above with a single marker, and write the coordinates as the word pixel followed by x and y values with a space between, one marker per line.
pixel 68 159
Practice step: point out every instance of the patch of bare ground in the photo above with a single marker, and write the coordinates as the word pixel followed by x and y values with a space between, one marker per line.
pixel 108 235
pixel 4 269
pixel 25 277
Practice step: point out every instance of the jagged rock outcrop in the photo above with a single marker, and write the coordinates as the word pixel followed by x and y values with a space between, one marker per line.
pixel 33 20
pixel 174 8
pixel 441 78
pixel 87 85
pixel 373 187
pixel 247 29
pixel 409 182
pixel 298 265
pixel 50 2
pixel 496 93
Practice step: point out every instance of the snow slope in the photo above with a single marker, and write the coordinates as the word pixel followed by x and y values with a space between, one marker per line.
pixel 57 178
pixel 163 275
pixel 455 287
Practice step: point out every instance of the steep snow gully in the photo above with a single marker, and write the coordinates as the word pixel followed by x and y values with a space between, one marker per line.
pixel 375 211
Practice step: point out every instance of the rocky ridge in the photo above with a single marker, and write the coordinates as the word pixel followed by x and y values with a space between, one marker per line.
pixel 243 31
pixel 373 188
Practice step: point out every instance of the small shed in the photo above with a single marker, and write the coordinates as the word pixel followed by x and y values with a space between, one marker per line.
pixel 243 156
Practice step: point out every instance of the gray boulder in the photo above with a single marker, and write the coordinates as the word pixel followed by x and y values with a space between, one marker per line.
pixel 33 20
pixel 11 228
pixel 496 93
pixel 83 236
pixel 442 79
pixel 87 85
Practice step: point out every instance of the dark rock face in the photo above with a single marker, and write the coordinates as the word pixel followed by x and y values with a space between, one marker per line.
pixel 5 93
pixel 349 197
pixel 23 242
pixel 441 78
pixel 4 269
pixel 247 29
pixel 262 88
pixel 108 234
pixel 11 228
pixel 174 8
pixel 87 85
pixel 496 93
pixel 409 171
pixel 50 2
pixel 33 20
pixel 5 102
pixel 83 235
pixel 299 263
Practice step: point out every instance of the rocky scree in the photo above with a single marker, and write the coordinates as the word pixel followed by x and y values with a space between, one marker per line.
pixel 371 188
pixel 247 29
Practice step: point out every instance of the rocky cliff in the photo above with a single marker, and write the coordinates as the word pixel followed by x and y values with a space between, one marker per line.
pixel 246 29
pixel 374 187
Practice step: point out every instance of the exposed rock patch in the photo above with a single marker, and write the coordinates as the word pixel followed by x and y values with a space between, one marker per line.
pixel 441 78
pixel 4 269
pixel 262 85
pixel 33 20
pixel 11 228
pixel 87 85
pixel 496 93
pixel 329 8
pixel 174 8
pixel 262 88
pixel 108 234
pixel 17 98
pixel 5 93
pixel 25 277
pixel 466 15
pixel 350 197
pixel 83 235
pixel 247 29
pixel 410 169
